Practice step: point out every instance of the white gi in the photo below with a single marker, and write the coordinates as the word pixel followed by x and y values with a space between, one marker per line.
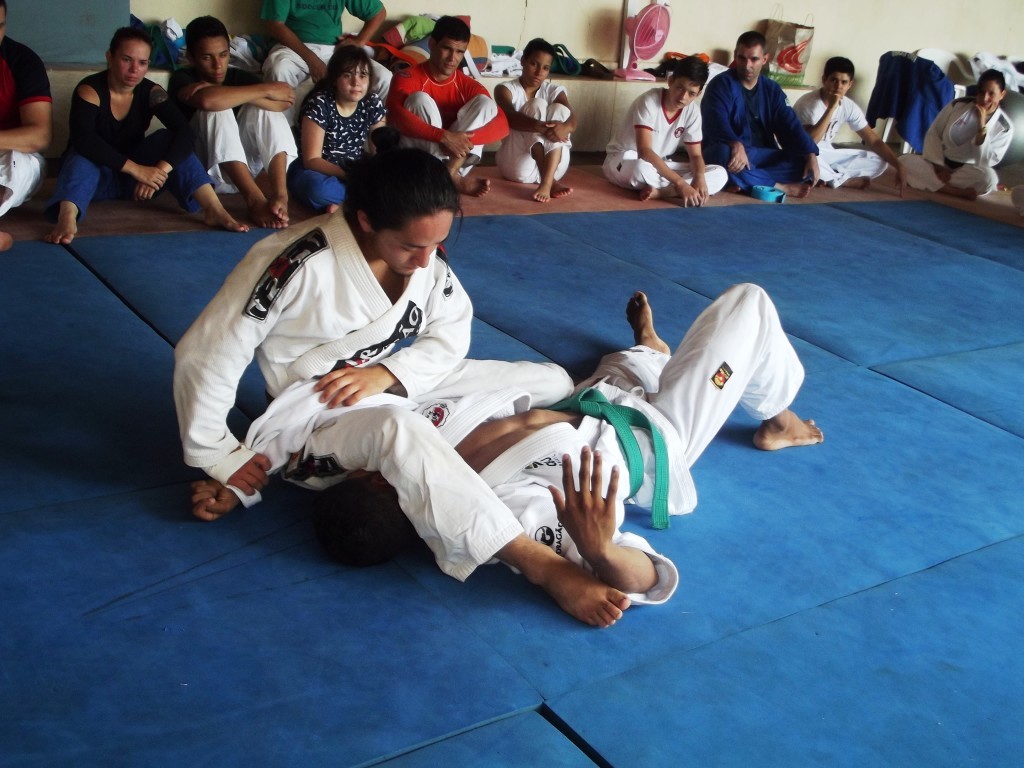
pixel 253 137
pixel 951 137
pixel 304 300
pixel 624 168
pixel 21 173
pixel 835 165
pixel 285 65
pixel 737 342
pixel 514 157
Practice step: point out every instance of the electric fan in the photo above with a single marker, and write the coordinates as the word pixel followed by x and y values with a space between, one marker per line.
pixel 644 34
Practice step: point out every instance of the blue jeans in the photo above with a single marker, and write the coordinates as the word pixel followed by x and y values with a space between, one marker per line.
pixel 314 189
pixel 81 181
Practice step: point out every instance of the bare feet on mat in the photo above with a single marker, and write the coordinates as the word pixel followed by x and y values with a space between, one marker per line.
pixel 641 319
pixel 545 192
pixel 271 214
pixel 67 225
pixel 474 187
pixel 787 430
pixel 797 190
pixel 219 217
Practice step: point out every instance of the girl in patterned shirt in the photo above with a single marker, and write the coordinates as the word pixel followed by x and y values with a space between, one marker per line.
pixel 338 117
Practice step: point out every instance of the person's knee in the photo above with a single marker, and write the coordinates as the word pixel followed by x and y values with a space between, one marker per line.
pixel 420 103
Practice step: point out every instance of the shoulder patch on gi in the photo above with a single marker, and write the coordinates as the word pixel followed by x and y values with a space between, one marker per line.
pixel 721 375
pixel 280 271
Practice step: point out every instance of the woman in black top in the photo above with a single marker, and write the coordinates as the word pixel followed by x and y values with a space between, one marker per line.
pixel 109 156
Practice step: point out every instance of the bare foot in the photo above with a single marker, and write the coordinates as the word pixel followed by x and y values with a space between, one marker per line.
pixel 641 319
pixel 67 224
pixel 219 217
pixel 797 190
pixel 859 182
pixel 560 190
pixel 657 193
pixel 279 207
pixel 787 430
pixel 578 593
pixel 6 241
pixel 332 208
pixel 262 213
pixel 474 187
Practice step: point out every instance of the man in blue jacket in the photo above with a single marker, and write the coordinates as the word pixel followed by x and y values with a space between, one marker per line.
pixel 750 128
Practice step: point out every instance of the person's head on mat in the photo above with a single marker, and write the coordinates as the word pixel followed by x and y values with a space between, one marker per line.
pixel 686 79
pixel 448 43
pixel 358 522
pixel 991 91
pixel 749 57
pixel 208 47
pixel 838 76
pixel 400 206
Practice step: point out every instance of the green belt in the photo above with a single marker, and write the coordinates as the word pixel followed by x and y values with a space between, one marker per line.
pixel 590 402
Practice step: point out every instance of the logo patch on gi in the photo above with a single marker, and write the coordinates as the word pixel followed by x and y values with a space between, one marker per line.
pixel 409 325
pixel 449 288
pixel 437 413
pixel 312 466
pixel 721 375
pixel 280 271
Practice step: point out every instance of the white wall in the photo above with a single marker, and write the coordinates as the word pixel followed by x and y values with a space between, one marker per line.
pixel 862 29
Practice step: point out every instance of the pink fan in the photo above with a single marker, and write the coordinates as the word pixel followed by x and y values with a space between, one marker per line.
pixel 644 33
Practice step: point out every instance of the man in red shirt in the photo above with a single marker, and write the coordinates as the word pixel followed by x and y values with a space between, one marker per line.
pixel 438 108
pixel 25 122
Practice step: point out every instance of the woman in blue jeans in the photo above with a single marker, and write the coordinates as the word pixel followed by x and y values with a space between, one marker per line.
pixel 110 157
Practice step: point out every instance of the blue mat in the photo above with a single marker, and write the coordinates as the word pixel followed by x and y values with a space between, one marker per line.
pixel 828 288
pixel 950 227
pixel 924 670
pixel 86 387
pixel 133 635
pixel 985 383
pixel 855 603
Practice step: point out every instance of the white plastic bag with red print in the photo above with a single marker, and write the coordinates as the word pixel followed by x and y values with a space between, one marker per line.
pixel 789 49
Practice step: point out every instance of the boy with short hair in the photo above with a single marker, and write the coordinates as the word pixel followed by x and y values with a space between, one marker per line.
pixel 238 122
pixel 441 110
pixel 824 112
pixel 657 123
pixel 540 121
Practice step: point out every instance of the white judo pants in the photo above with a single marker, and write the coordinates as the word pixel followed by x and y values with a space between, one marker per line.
pixel 254 137
pixel 452 509
pixel 21 173
pixel 739 333
pixel 285 65
pixel 475 113
pixel 921 175
pixel 835 166
pixel 627 170
pixel 515 155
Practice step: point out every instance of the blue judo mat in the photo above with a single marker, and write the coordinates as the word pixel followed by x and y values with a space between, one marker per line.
pixel 852 604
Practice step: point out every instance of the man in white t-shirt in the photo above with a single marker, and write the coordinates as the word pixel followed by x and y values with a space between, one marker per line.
pixel 639 155
pixel 824 112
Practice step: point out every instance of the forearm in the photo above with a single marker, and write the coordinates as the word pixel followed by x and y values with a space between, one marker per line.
pixel 217 98
pixel 371 27
pixel 626 569
pixel 27 138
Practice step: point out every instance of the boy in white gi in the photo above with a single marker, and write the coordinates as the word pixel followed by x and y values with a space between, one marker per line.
pixel 735 352
pixel 541 121
pixel 638 157
pixel 238 122
pixel 824 112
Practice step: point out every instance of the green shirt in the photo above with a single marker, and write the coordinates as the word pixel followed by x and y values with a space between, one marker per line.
pixel 318 21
